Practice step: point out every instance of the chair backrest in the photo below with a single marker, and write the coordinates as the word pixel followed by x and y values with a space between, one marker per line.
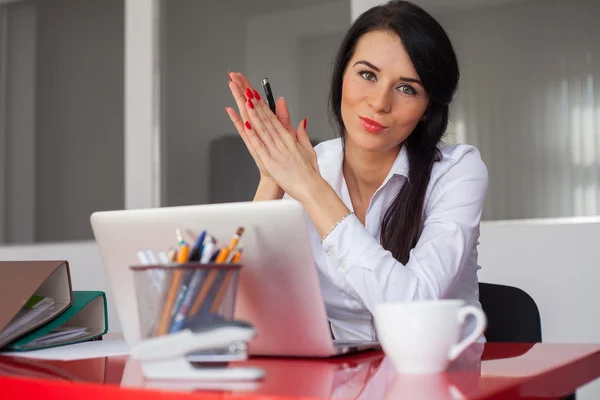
pixel 512 314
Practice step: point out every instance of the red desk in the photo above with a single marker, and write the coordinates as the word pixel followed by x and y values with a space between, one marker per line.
pixel 496 371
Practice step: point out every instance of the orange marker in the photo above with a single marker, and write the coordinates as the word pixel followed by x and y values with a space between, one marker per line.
pixel 184 249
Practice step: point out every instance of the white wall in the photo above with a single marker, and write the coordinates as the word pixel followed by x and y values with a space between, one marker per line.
pixel 142 102
pixel 556 261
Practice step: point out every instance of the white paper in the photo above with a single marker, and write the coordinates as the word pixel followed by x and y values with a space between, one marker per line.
pixel 78 351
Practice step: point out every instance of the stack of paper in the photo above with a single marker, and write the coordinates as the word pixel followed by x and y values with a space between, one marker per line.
pixel 34 311
pixel 59 335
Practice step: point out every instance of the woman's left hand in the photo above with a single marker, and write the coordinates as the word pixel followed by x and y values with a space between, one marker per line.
pixel 290 161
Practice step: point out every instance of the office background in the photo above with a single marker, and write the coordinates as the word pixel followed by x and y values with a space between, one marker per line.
pixel 72 143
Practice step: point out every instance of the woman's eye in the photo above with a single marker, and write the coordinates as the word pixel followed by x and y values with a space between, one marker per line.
pixel 407 89
pixel 367 75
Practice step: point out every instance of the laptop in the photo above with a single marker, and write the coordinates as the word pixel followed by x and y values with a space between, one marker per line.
pixel 278 288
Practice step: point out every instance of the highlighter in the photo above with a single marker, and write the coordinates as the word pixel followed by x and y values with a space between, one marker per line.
pixel 184 249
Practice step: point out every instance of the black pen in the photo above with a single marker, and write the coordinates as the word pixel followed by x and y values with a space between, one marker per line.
pixel 268 94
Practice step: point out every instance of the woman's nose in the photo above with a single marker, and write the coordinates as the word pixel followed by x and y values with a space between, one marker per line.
pixel 380 99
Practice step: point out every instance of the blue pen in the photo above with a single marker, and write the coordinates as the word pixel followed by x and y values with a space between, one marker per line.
pixel 196 252
pixel 190 294
pixel 194 285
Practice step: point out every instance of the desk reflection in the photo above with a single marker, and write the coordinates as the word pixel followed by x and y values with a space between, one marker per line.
pixel 369 375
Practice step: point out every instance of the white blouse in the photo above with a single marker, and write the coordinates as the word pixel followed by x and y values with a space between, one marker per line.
pixel 356 273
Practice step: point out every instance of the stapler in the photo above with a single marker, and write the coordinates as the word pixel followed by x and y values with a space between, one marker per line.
pixel 199 353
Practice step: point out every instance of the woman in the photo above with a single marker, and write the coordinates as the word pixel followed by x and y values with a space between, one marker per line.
pixel 395 212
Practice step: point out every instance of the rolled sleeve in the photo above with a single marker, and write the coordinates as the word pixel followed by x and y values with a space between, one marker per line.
pixel 450 230
pixel 372 272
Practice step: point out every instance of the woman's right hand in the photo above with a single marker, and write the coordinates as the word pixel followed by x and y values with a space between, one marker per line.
pixel 239 87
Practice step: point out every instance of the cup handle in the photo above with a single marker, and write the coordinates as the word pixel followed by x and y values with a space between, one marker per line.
pixel 481 320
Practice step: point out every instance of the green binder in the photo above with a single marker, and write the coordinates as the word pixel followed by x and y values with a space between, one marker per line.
pixel 86 319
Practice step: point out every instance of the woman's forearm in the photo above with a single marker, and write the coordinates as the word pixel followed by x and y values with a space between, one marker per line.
pixel 268 190
pixel 324 207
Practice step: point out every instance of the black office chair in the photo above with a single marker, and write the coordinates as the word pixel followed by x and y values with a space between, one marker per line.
pixel 512 316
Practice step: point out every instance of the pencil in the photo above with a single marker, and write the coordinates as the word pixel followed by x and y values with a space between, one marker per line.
pixel 172 255
pixel 175 287
pixel 214 273
pixel 225 284
pixel 238 256
pixel 226 250
pixel 163 326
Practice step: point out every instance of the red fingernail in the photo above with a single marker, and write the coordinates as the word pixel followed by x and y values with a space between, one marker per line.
pixel 250 104
pixel 256 95
pixel 248 125
pixel 249 94
pixel 304 123
pixel 229 74
pixel 226 110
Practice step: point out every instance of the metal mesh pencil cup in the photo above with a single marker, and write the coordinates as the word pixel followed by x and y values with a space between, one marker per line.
pixel 179 296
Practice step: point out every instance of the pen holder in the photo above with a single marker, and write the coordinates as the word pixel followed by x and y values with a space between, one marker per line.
pixel 174 297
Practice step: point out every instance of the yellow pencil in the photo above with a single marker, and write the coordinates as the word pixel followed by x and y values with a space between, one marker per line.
pixel 237 257
pixel 226 250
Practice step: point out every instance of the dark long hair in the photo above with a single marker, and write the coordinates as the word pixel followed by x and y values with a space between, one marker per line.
pixel 434 59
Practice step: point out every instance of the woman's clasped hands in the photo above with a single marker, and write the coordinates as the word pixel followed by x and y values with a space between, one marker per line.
pixel 282 155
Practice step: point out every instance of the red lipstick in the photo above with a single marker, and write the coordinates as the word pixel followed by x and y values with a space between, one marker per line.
pixel 371 125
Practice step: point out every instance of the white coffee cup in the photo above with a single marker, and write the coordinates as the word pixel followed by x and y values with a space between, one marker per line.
pixel 422 337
